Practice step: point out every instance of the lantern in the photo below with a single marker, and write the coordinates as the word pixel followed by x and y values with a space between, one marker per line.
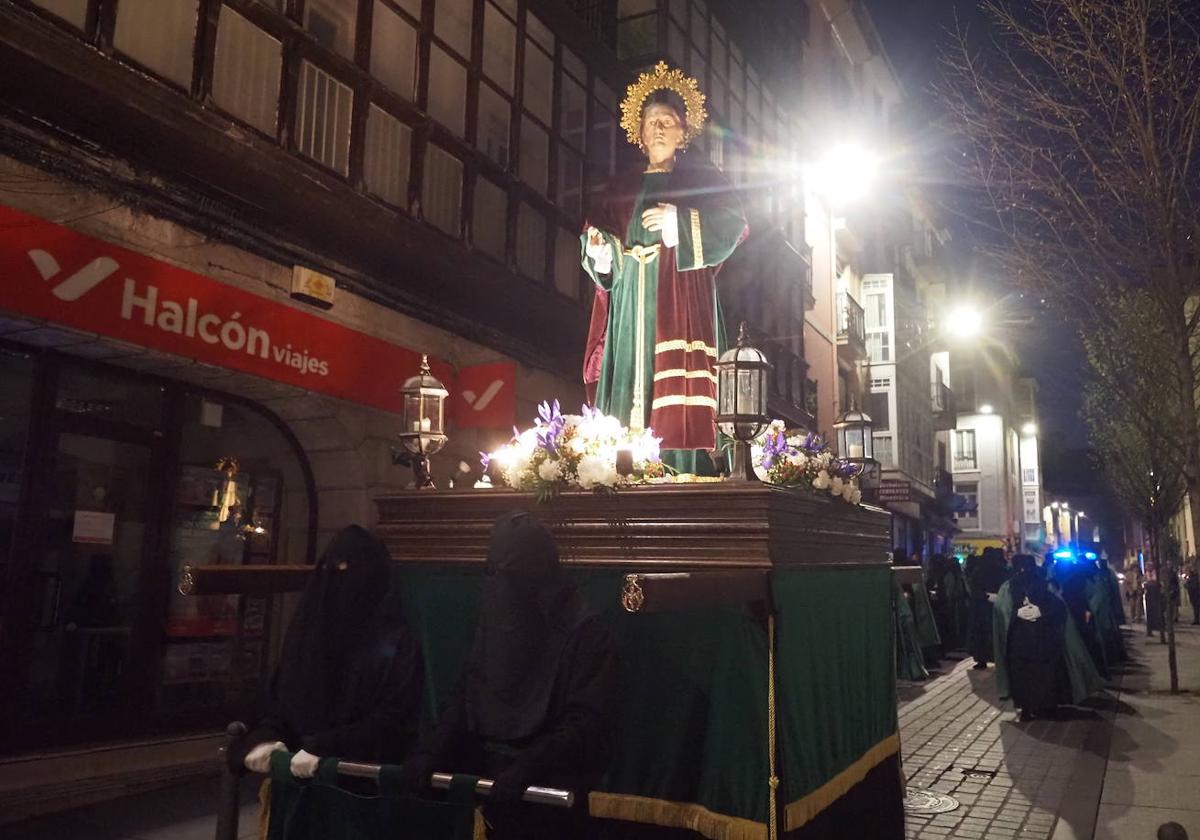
pixel 855 438
pixel 742 401
pixel 422 430
pixel 856 443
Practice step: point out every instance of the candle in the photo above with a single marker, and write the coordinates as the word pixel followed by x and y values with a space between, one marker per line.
pixel 425 421
pixel 856 450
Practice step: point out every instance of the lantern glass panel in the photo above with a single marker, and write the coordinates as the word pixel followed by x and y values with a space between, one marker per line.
pixel 868 443
pixel 727 404
pixel 747 392
pixel 414 412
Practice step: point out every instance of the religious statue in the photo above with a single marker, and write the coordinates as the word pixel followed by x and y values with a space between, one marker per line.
pixel 654 246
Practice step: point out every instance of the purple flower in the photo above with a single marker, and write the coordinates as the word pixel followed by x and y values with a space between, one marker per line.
pixel 485 460
pixel 774 447
pixel 550 423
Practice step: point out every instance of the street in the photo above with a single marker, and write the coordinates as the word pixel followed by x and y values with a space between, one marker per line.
pixel 1117 769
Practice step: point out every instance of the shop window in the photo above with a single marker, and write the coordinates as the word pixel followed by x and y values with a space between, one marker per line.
pixel 441 194
pixel 499 47
pixel 73 12
pixel 246 71
pixel 323 118
pixel 394 51
pixel 490 220
pixel 968 517
pixel 539 82
pixel 95 395
pixel 568 272
pixel 699 67
pixel 16 391
pixel 447 90
pixel 534 155
pixel 531 242
pixel 637 28
pixel 387 155
pixel 331 23
pixel 452 22
pixel 160 35
pixel 737 73
pixel 679 11
pixel 241 498
pixel 492 129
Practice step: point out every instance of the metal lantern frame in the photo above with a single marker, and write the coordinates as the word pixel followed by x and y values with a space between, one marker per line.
pixel 855 426
pixel 742 411
pixel 423 429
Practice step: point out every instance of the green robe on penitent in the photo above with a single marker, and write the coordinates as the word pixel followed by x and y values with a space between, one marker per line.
pixel 656 326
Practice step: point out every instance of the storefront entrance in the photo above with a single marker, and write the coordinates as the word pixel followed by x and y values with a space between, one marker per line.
pixel 109 483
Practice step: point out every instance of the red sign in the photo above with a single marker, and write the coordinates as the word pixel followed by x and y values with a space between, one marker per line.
pixel 54 273
pixel 486 396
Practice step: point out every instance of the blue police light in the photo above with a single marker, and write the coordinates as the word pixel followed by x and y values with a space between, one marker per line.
pixel 1064 554
pixel 1090 555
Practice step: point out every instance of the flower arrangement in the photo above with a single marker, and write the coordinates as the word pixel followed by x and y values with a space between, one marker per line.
pixel 808 462
pixel 563 451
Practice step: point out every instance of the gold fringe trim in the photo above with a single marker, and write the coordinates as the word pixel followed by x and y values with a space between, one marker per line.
pixel 264 809
pixel 643 809
pixel 697 243
pixel 804 809
pixel 479 830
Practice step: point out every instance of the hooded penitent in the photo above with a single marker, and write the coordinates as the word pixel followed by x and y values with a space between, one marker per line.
pixel 1040 659
pixel 527 618
pixel 349 679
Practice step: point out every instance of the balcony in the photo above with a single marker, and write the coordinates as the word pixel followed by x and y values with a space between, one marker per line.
pixel 945 412
pixel 851 335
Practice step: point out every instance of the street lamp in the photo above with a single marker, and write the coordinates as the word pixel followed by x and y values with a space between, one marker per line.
pixel 742 401
pixel 964 322
pixel 844 173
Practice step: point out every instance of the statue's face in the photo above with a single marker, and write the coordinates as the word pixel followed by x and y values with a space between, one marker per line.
pixel 662 132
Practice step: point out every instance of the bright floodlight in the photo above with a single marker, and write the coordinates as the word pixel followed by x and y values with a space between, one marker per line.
pixel 844 173
pixel 986 408
pixel 964 322
pixel 1029 429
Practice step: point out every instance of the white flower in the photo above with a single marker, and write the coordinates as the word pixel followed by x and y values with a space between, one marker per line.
pixel 821 482
pixel 595 470
pixel 836 485
pixel 550 470
pixel 856 496
pixel 848 490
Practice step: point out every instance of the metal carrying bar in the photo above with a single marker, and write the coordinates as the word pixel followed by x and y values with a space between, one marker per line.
pixel 483 787
pixel 689 590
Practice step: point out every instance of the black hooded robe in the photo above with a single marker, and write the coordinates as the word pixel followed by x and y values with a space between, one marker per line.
pixel 535 705
pixel 985 577
pixel 1037 671
pixel 349 681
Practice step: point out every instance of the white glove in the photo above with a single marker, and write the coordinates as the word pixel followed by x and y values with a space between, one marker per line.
pixel 991 596
pixel 304 764
pixel 1029 612
pixel 600 254
pixel 258 760
pixel 670 226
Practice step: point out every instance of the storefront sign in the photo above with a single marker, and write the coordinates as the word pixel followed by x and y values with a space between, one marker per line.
pixel 895 491
pixel 486 397
pixel 92 526
pixel 51 272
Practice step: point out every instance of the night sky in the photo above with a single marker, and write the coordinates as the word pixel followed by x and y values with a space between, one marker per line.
pixel 913 32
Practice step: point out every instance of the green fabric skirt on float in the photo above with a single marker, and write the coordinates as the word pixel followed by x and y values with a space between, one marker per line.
pixel 910 657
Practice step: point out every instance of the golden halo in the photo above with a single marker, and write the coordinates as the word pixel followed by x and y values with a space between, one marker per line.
pixel 663 77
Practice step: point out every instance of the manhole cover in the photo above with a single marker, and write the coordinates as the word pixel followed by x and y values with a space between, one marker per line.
pixel 928 802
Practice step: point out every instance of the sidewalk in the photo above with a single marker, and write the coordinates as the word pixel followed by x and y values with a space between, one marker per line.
pixel 1117 769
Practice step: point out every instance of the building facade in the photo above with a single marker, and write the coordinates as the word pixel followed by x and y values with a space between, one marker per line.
pixel 169 168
